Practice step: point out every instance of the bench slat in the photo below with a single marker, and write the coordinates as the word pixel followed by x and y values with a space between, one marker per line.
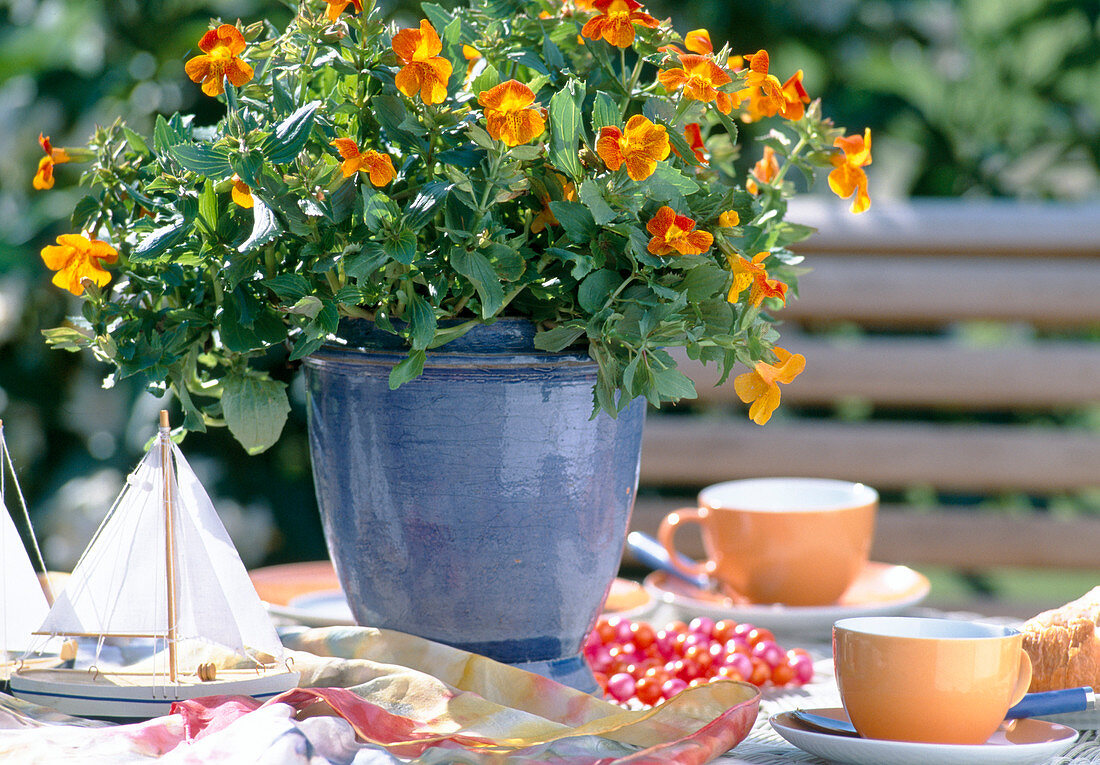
pixel 985 227
pixel 941 537
pixel 691 451
pixel 926 291
pixel 928 372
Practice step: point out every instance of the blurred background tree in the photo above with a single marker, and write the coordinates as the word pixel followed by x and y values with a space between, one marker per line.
pixel 964 98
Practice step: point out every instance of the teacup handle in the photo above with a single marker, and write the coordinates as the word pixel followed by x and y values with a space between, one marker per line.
pixel 666 535
pixel 1023 679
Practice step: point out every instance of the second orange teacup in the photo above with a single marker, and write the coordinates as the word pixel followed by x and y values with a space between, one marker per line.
pixel 934 681
pixel 796 541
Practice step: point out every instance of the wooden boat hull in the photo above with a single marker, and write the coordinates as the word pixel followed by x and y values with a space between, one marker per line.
pixel 136 696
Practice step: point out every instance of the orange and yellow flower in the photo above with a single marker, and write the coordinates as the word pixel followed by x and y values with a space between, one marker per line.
pixel 795 98
pixel 615 22
pixel 43 178
pixel 729 219
pixel 764 92
pixel 764 171
pixel 696 41
pixel 641 146
pixel 472 56
pixel 75 258
pixel 221 49
pixel 848 175
pixel 700 79
pixel 694 135
pixel 761 386
pixel 377 165
pixel 336 7
pixel 752 273
pixel 240 193
pixel 675 234
pixel 424 69
pixel 509 116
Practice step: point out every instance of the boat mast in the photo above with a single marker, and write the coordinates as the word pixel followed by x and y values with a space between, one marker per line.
pixel 169 542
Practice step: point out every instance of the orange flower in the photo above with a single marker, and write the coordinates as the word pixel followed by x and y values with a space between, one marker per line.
pixel 764 171
pixel 472 56
pixel 43 178
pixel 696 41
pixel 378 165
pixel 674 233
pixel 752 272
pixel 729 219
pixel 761 386
pixel 700 78
pixel 795 98
pixel 240 193
pixel 425 70
pixel 764 92
pixel 509 116
pixel 641 147
pixel 848 175
pixel 336 7
pixel 221 48
pixel 615 22
pixel 695 139
pixel 76 258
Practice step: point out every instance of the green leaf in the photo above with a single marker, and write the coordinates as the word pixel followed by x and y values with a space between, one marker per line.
pixel 203 159
pixel 552 54
pixel 590 193
pixel 288 287
pixel 159 240
pixel 165 135
pixel 291 134
pixel 674 385
pixel 507 261
pixel 422 323
pixel 136 141
pixel 575 218
pixel 255 410
pixel 361 265
pixel 565 129
pixel 477 268
pixel 728 124
pixel 264 226
pixel 667 184
pixel 407 369
pixel 597 288
pixel 247 166
pixel 402 248
pixel 84 210
pixel 558 338
pixel 488 78
pixel 208 206
pixel 604 112
pixel 423 206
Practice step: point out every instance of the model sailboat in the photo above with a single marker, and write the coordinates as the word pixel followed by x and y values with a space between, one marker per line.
pixel 162 567
pixel 23 595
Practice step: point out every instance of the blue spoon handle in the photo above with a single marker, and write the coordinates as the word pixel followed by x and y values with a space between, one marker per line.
pixel 1053 702
pixel 653 554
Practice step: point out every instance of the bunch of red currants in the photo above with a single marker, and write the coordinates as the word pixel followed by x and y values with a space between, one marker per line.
pixel 637 664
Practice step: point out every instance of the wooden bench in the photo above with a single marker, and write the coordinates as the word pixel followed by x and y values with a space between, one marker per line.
pixel 951 354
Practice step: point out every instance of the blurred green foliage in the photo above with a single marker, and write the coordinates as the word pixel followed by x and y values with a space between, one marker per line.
pixel 964 97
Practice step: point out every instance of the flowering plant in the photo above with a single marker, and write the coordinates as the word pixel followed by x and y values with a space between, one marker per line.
pixel 568 162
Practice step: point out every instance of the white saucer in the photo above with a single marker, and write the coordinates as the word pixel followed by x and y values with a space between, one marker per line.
pixel 880 590
pixel 1018 742
pixel 327 608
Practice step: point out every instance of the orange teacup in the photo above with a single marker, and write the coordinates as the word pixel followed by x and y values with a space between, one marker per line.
pixel 934 681
pixel 796 541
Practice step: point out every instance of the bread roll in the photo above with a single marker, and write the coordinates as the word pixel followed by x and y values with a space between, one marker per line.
pixel 1064 646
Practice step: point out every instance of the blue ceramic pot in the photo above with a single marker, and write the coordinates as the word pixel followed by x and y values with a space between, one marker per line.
pixel 477 505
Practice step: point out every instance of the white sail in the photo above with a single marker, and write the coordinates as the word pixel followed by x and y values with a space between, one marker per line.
pixel 119 585
pixel 22 603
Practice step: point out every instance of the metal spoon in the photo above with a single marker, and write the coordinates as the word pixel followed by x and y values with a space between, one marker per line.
pixel 1032 705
